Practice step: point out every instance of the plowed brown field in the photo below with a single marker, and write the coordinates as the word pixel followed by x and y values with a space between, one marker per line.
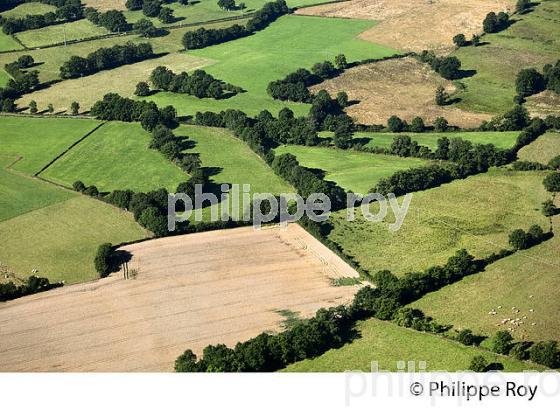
pixel 190 291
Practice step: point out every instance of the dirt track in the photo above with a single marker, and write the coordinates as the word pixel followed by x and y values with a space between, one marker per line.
pixel 191 291
pixel 415 25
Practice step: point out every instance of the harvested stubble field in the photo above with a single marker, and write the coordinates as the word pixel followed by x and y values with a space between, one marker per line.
pixel 543 104
pixel 105 5
pixel 403 87
pixel 185 295
pixel 414 25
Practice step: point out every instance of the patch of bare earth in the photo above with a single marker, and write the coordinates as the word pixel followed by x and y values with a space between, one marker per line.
pixel 190 291
pixel 415 25
pixel 403 87
pixel 544 104
pixel 105 5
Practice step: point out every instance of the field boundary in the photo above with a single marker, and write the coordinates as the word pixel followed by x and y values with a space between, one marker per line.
pixel 66 151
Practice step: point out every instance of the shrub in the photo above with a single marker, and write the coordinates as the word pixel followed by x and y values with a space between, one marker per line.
pixel 103 259
pixel 460 40
pixel 554 163
pixel 502 342
pixel 545 353
pixel 142 89
pixel 79 186
pixel 552 182
pixel 528 82
pixel 478 364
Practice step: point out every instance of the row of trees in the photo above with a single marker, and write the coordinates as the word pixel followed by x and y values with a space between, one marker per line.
pixel 494 23
pixel 205 37
pixel 22 81
pixel 199 83
pixel 106 59
pixel 529 81
pixel 468 159
pixel 396 124
pixel 155 8
pixel 33 284
pixel 294 87
pixel 448 67
pixel 519 239
pixel 112 20
pixel 67 10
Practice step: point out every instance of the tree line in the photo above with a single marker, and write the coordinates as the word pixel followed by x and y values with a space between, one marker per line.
pixel 33 284
pixel 202 37
pixel 66 11
pixel 22 81
pixel 198 83
pixel 106 59
pixel 448 67
pixel 530 81
pixel 112 20
pixel 466 159
pixel 155 8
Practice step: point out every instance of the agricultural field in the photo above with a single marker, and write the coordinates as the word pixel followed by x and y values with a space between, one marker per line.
pixel 65 245
pixel 543 104
pixel 542 150
pixel 476 214
pixel 116 156
pixel 39 140
pixel 403 87
pixel 62 94
pixel 50 59
pixel 532 41
pixel 388 344
pixel 253 62
pixel 503 140
pixel 8 43
pixel 105 5
pixel 75 30
pixel 176 299
pixel 415 25
pixel 523 285
pixel 352 170
pixel 28 8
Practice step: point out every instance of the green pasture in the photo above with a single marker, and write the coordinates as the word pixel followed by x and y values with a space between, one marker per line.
pixel 546 147
pixel 25 9
pixel 8 43
pixel 352 170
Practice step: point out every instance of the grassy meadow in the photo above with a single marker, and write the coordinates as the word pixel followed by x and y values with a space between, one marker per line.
pixel 352 170
pixel 387 344
pixel 8 43
pixel 476 213
pixel 20 194
pixel 287 44
pixel 116 156
pixel 24 9
pixel 542 150
pixel 39 140
pixel 61 239
pixel 502 140
pixel 525 280
pixel 532 41
pixel 75 30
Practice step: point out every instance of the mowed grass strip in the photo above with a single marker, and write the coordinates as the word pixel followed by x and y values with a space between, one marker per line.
pixel 476 213
pixel 527 281
pixel 532 41
pixel 286 45
pixel 352 170
pixel 20 194
pixel 39 140
pixel 546 147
pixel 387 344
pixel 116 156
pixel 61 239
pixel 122 80
pixel 501 140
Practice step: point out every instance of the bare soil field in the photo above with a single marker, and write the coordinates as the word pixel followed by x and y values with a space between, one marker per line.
pixel 121 80
pixel 414 25
pixel 104 5
pixel 189 291
pixel 403 87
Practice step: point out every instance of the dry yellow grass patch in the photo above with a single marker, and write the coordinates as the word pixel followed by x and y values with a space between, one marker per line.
pixel 402 87
pixel 104 5
pixel 543 104
pixel 121 80
pixel 415 25
pixel 190 291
